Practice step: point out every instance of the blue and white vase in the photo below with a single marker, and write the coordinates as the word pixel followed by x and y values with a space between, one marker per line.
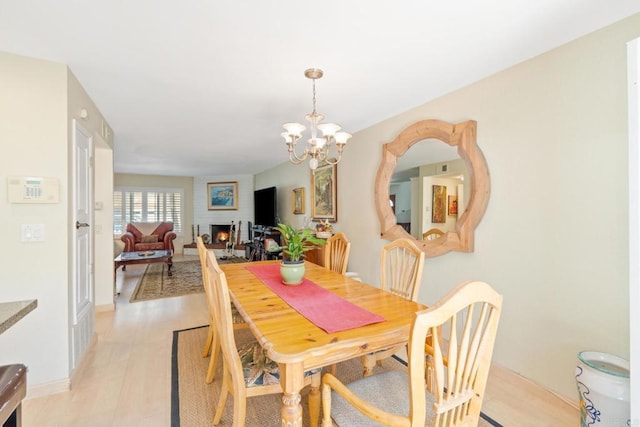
pixel 603 388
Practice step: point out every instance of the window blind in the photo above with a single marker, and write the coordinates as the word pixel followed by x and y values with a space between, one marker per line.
pixel 146 205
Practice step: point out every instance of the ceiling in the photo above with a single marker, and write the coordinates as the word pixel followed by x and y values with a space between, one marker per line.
pixel 201 87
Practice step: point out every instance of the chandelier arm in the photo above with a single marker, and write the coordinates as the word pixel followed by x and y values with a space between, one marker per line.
pixel 293 156
pixel 326 157
pixel 335 162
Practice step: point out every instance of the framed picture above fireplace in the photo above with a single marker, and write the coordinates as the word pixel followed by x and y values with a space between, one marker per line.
pixel 222 195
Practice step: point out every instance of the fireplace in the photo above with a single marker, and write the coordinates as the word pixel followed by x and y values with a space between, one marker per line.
pixel 220 233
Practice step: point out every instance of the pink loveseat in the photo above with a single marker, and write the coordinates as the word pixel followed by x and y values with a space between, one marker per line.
pixel 148 236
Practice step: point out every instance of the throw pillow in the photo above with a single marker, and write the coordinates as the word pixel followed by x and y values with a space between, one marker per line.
pixel 149 238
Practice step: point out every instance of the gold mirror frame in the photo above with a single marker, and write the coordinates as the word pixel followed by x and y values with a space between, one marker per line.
pixel 461 135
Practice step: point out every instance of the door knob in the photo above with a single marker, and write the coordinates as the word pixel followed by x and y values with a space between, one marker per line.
pixel 81 224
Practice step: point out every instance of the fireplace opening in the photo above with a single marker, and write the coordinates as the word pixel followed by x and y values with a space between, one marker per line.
pixel 220 233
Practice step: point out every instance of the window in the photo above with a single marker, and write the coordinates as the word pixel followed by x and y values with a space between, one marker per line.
pixel 146 205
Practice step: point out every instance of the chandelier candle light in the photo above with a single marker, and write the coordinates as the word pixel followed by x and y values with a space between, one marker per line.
pixel 319 146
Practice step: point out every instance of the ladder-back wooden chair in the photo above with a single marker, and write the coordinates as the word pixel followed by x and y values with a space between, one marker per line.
pixel 212 345
pixel 460 331
pixel 336 253
pixel 202 254
pixel 401 265
pixel 432 234
pixel 247 371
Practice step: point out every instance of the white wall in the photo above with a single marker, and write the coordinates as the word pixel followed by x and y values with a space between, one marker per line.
pixel 35 91
pixel 204 217
pixel 554 238
pixel 38 103
pixel 103 229
pixel 634 222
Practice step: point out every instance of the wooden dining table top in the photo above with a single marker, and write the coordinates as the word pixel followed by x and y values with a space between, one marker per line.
pixel 290 338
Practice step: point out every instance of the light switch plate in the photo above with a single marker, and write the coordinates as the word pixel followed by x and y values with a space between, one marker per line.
pixel 32 233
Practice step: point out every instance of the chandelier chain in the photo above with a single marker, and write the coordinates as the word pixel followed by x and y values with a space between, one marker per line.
pixel 314 97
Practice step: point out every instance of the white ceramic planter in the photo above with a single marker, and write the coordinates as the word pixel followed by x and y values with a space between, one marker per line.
pixel 603 388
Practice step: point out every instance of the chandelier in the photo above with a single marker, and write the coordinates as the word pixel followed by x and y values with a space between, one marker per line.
pixel 319 146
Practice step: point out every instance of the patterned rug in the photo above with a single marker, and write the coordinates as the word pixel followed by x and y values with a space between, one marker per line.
pixel 193 402
pixel 186 279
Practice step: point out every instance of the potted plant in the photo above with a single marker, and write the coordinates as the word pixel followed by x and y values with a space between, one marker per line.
pixel 296 243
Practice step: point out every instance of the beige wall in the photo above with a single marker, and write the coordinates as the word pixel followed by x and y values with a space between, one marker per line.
pixel 554 238
pixel 39 100
pixel 160 181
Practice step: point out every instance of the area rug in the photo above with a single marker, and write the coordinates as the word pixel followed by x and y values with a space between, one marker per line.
pixel 193 402
pixel 186 279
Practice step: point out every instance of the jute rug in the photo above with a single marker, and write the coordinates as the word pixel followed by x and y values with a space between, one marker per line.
pixel 186 279
pixel 193 402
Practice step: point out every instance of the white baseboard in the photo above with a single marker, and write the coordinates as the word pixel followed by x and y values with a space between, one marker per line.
pixel 40 390
pixel 105 307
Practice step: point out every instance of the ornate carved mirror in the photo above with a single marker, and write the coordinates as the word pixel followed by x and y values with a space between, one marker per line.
pixel 472 192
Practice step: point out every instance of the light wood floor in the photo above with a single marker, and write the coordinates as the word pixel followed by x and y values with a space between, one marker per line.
pixel 125 378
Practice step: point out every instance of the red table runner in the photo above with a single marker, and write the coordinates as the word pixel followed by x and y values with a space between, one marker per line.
pixel 324 309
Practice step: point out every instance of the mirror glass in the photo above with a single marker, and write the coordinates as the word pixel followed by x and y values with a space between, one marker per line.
pixel 427 163
pixel 433 177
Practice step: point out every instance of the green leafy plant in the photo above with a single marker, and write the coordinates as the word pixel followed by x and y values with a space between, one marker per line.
pixel 297 242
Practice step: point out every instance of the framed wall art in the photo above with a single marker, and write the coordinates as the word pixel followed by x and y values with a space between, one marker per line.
pixel 298 201
pixel 439 206
pixel 324 199
pixel 452 205
pixel 222 195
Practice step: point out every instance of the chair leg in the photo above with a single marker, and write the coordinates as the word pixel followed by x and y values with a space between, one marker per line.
pixel 314 400
pixel 326 406
pixel 239 409
pixel 207 346
pixel 224 394
pixel 213 362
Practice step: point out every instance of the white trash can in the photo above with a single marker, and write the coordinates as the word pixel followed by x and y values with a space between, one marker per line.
pixel 603 388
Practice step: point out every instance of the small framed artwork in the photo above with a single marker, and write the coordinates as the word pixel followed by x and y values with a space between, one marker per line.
pixel 452 205
pixel 222 195
pixel 298 201
pixel 439 208
pixel 324 200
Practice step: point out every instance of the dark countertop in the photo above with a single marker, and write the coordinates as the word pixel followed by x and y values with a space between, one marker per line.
pixel 11 312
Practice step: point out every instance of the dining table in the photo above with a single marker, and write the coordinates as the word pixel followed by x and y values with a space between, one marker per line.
pixel 296 343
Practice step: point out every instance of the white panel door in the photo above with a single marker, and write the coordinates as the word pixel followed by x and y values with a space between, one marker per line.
pixel 82 304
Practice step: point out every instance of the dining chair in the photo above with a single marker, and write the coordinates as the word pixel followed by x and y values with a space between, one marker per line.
pixel 212 346
pixel 336 253
pixel 432 234
pixel 462 328
pixel 247 370
pixel 401 264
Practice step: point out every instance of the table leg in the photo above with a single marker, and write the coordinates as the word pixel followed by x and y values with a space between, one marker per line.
pixel 291 410
pixel 115 279
pixel 292 381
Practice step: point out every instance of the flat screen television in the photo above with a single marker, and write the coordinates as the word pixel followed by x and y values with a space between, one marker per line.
pixel 265 207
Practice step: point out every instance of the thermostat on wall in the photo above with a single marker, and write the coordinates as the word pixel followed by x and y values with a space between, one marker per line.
pixel 29 189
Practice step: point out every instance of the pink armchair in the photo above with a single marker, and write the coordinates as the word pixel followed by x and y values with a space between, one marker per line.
pixel 148 236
